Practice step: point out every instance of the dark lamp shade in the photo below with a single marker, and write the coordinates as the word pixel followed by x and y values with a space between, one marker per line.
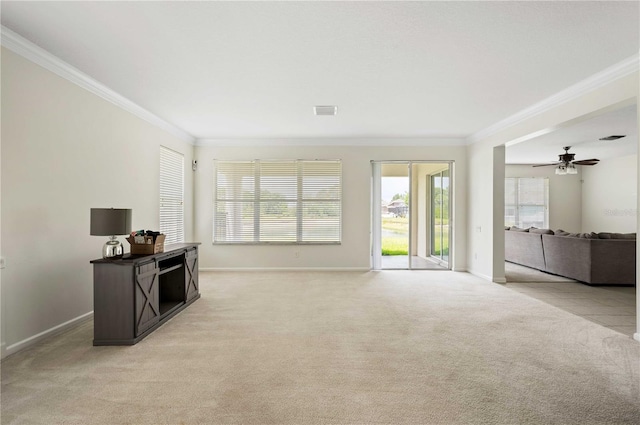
pixel 110 221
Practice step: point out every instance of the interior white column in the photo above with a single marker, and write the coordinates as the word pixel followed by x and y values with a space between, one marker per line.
pixel 636 335
pixel 2 343
pixel 498 214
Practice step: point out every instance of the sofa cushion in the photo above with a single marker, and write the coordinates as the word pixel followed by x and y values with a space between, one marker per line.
pixel 524 248
pixel 582 235
pixel 541 231
pixel 607 235
pixel 507 227
pixel 518 229
pixel 591 235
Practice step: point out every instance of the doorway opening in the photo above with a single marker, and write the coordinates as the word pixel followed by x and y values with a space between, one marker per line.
pixel 411 215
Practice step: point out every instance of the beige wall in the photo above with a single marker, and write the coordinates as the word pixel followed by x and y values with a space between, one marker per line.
pixel 64 151
pixel 600 198
pixel 565 195
pixel 355 250
pixel 610 196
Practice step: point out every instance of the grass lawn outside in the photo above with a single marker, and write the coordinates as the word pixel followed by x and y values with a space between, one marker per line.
pixel 395 239
pixel 395 245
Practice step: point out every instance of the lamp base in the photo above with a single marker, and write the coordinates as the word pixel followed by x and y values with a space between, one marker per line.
pixel 112 249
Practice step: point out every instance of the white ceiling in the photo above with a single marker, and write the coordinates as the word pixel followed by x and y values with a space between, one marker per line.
pixel 395 69
pixel 584 139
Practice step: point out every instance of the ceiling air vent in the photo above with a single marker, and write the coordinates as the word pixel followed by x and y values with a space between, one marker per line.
pixel 325 110
pixel 613 137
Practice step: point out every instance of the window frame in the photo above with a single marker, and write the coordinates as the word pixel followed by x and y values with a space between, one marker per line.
pixel 258 200
pixel 517 204
pixel 168 206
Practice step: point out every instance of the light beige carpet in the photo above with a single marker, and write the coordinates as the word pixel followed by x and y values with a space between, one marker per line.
pixel 393 347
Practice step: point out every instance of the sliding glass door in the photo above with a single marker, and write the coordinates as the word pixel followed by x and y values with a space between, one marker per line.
pixel 440 184
pixel 411 219
pixel 394 226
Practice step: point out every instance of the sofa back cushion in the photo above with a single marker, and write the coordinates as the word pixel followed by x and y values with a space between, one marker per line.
pixel 591 235
pixel 606 235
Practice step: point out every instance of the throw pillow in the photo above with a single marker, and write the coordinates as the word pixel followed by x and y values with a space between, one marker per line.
pixel 541 231
pixel 517 229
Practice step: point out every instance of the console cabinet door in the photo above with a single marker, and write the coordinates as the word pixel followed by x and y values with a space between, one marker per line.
pixel 191 273
pixel 147 299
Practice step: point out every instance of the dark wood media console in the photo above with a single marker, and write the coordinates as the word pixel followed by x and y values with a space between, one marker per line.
pixel 136 294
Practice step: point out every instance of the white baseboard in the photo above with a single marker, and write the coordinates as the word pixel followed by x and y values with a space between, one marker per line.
pixel 636 336
pixel 487 277
pixel 480 275
pixel 303 269
pixel 284 269
pixel 14 348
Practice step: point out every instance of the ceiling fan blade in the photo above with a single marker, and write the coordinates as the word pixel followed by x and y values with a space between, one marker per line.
pixel 545 165
pixel 587 162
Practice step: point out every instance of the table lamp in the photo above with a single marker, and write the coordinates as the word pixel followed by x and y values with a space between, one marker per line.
pixel 111 222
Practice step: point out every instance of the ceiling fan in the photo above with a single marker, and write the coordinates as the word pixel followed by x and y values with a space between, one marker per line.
pixel 566 164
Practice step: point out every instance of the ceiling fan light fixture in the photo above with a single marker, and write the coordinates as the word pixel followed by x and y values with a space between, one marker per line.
pixel 566 164
pixel 561 170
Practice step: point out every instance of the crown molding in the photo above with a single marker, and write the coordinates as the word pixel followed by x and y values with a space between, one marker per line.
pixel 602 78
pixel 25 48
pixel 332 141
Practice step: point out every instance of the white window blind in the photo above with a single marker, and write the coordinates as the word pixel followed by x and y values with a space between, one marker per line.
pixel 278 201
pixel 171 195
pixel 527 202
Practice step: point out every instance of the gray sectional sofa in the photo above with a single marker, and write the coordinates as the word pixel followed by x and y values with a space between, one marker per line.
pixel 597 259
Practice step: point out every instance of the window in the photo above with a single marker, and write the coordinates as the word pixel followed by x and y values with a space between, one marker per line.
pixel 171 195
pixel 526 202
pixel 278 201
